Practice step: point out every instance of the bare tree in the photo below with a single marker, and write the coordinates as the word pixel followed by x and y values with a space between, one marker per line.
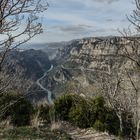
pixel 19 22
pixel 132 52
pixel 115 89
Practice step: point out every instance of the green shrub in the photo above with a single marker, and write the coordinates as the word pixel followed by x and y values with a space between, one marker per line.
pixel 21 113
pixel 104 116
pixel 99 126
pixel 13 105
pixel 98 109
pixel 112 124
pixel 87 113
pixel 43 112
pixel 62 106
pixel 75 109
pixel 79 115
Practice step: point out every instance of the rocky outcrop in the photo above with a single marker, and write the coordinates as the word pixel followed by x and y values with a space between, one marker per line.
pixel 100 53
pixel 85 134
pixel 86 59
pixel 89 51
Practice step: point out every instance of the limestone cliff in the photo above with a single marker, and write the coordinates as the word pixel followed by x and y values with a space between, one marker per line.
pixel 86 59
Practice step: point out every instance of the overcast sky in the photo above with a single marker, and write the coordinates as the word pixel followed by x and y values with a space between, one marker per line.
pixel 71 19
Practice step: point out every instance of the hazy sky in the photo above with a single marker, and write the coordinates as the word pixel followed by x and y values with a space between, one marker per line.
pixel 72 19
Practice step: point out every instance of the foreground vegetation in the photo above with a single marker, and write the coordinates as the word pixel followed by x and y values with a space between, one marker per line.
pixel 82 112
pixel 94 113
pixel 20 133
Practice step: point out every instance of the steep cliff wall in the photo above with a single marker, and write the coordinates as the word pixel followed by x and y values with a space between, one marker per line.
pixel 108 51
pixel 87 59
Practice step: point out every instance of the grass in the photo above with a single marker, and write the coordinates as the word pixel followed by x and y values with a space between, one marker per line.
pixel 27 133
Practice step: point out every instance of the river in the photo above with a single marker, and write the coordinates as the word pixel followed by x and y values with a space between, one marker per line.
pixel 38 82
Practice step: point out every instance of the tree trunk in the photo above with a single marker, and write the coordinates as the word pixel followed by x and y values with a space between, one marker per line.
pixel 121 123
pixel 138 128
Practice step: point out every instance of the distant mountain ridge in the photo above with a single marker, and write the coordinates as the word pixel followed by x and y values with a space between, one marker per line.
pixel 33 63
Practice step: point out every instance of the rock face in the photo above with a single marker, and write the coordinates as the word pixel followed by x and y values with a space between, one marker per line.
pixel 86 59
pixel 88 51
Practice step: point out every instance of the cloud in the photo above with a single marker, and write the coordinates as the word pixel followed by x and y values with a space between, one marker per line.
pixel 109 20
pixel 73 29
pixel 71 19
pixel 106 1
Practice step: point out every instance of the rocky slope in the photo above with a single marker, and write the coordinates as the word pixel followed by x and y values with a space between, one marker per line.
pixel 81 63
pixel 23 68
pixel 88 50
pixel 85 134
pixel 32 62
